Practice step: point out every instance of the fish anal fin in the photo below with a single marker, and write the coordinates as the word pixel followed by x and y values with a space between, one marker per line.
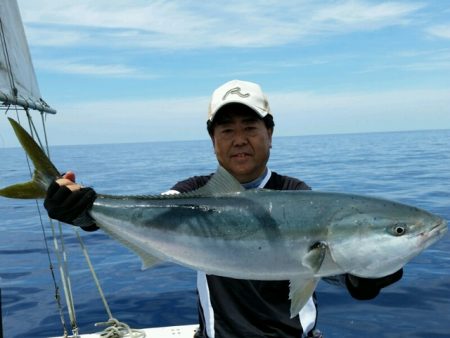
pixel 300 290
pixel 148 261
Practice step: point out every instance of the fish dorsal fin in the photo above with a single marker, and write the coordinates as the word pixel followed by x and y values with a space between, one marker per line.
pixel 220 183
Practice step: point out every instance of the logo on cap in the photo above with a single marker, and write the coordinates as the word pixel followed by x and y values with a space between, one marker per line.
pixel 237 91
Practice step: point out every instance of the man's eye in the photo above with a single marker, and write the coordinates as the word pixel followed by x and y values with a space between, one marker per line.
pixel 226 132
pixel 251 130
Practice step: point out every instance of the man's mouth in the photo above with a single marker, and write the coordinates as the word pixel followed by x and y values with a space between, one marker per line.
pixel 240 155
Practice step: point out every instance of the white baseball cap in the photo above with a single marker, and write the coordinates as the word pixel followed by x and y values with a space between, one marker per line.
pixel 237 91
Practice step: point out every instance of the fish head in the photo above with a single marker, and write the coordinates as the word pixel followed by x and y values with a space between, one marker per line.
pixel 376 237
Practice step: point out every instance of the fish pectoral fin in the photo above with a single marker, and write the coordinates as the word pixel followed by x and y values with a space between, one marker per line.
pixel 314 258
pixel 300 291
pixel 329 266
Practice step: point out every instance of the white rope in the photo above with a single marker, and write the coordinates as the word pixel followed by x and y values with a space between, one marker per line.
pixel 116 328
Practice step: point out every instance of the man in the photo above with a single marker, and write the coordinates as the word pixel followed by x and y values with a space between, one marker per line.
pixel 240 124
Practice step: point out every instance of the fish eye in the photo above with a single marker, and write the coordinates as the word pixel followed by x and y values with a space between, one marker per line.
pixel 399 229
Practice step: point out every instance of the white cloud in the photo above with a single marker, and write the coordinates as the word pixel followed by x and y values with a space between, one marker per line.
pixel 440 31
pixel 47 37
pixel 81 67
pixel 313 113
pixel 296 113
pixel 413 60
pixel 364 15
pixel 193 24
pixel 118 121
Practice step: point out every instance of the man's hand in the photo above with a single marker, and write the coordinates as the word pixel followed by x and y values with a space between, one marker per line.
pixel 69 202
pixel 68 180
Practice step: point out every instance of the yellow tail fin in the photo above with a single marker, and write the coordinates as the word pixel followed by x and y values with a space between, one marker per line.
pixel 44 172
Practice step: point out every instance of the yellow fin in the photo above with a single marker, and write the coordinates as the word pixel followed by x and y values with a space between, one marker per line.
pixel 44 173
pixel 300 291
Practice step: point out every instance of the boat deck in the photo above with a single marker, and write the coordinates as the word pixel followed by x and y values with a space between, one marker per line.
pixel 181 331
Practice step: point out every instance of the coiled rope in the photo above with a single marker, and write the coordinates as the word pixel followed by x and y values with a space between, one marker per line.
pixel 118 329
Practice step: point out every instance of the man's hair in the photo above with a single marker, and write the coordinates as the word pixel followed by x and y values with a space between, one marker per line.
pixel 210 125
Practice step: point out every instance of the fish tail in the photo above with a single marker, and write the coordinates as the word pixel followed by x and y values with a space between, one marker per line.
pixel 44 173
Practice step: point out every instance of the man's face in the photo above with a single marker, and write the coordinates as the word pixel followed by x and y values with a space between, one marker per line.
pixel 242 143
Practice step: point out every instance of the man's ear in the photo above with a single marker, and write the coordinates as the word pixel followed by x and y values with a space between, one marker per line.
pixel 270 132
pixel 213 143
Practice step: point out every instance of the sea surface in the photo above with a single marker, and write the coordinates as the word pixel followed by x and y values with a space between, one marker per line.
pixel 410 167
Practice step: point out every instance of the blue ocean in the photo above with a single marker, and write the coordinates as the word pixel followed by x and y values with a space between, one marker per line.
pixel 410 167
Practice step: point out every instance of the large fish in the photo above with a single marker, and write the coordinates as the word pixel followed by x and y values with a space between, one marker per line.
pixel 224 230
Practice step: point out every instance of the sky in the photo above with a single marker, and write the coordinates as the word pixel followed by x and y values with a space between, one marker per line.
pixel 141 70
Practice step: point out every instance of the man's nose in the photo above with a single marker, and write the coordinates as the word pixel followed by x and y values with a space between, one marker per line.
pixel 240 138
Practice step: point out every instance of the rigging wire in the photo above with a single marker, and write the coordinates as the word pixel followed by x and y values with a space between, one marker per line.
pixel 45 134
pixel 35 135
pixel 61 254
pixel 45 237
pixel 115 329
pixel 34 132
pixel 65 278
pixel 62 262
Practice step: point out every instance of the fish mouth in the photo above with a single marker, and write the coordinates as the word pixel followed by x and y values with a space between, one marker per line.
pixel 436 232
